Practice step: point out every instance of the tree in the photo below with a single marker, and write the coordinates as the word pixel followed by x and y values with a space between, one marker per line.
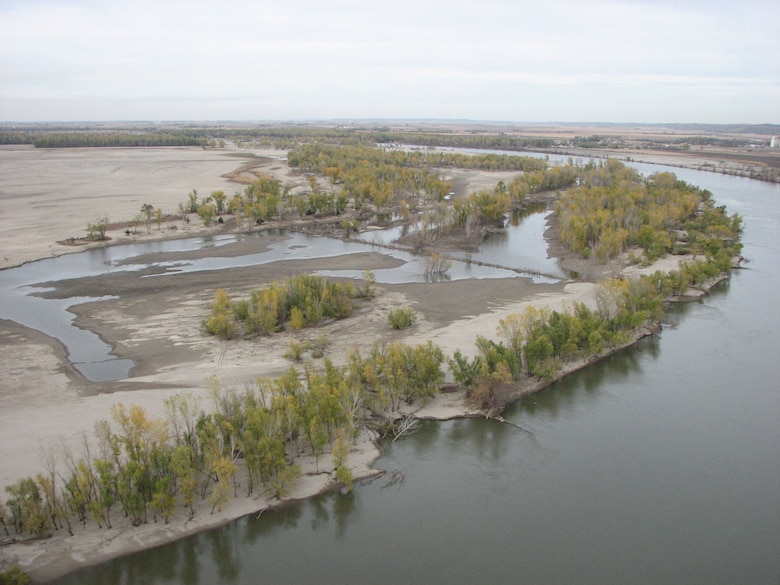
pixel 340 454
pixel 518 330
pixel 192 199
pixel 183 209
pixel 3 513
pixel 158 218
pixel 105 473
pixel 284 481
pixel 368 290
pixel 224 469
pixel 493 390
pixel 146 461
pixel 148 209
pixel 465 372
pixel 206 212
pixel 27 507
pixel 219 199
pixel 164 498
pixel 183 465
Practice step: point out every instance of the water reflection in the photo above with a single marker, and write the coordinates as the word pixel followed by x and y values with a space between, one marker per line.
pixel 180 564
pixel 486 439
pixel 320 514
pixel 224 552
pixel 286 516
pixel 587 385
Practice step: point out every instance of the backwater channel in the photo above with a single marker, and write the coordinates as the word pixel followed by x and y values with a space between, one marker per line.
pixel 26 298
pixel 660 464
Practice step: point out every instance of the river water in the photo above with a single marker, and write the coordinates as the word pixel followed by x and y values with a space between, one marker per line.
pixel 657 465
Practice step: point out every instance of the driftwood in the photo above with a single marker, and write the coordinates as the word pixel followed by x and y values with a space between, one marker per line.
pixel 397 427
pixel 396 476
pixel 405 426
pixel 23 539
pixel 501 419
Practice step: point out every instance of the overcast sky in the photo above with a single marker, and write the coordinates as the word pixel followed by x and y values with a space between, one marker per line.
pixel 706 61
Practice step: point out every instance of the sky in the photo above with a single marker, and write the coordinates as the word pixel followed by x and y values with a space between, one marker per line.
pixel 642 61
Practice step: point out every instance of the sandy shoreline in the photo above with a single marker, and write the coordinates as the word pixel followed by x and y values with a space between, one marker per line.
pixel 44 402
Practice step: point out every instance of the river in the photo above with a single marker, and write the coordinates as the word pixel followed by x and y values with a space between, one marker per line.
pixel 660 464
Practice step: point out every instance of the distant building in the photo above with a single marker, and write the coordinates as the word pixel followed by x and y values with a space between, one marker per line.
pixel 773 143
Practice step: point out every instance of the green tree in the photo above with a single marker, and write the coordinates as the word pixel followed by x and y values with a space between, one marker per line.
pixel 219 199
pixel 105 496
pixel 465 372
pixel 192 201
pixel 158 218
pixel 3 513
pixel 340 454
pixel 27 506
pixel 368 290
pixel 206 212
pixel 224 469
pixel 148 209
pixel 183 209
pixel 222 321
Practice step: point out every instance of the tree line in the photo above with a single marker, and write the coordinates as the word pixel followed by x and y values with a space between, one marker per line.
pixel 537 343
pixel 143 468
pixel 113 138
pixel 318 156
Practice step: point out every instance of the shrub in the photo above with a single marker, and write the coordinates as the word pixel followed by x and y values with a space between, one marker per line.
pixel 97 230
pixel 345 478
pixel 401 318
pixel 296 350
pixel 296 318
pixel 318 346
pixel 368 290
pixel 14 576
pixel 222 321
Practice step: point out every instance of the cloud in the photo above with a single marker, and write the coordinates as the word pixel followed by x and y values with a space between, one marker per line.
pixel 317 59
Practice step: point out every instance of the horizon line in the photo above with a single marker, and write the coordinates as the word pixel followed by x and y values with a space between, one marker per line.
pixel 378 120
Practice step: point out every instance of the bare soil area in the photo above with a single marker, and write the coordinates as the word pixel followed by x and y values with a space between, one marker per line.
pixel 50 195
